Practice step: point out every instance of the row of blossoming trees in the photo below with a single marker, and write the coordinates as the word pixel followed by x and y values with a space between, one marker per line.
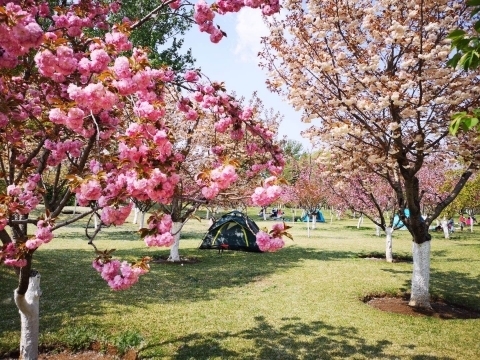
pixel 85 114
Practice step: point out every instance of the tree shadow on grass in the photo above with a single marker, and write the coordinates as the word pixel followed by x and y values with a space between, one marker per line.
pixel 72 288
pixel 454 287
pixel 290 339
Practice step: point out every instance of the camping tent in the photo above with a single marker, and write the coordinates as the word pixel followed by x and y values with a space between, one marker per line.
pixel 233 231
pixel 319 218
pixel 397 223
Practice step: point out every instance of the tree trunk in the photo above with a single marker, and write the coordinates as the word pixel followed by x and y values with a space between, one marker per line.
pixel 445 229
pixel 420 296
pixel 174 254
pixel 314 221
pixel 377 230
pixel 142 220
pixel 308 225
pixel 28 306
pixel 135 215
pixel 388 244
pixel 360 221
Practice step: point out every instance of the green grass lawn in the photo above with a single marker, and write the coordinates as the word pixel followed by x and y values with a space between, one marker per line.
pixel 303 302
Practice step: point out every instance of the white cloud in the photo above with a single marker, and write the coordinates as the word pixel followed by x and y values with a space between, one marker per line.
pixel 249 29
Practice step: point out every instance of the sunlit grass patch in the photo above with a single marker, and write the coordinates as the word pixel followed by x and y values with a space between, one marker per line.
pixel 299 303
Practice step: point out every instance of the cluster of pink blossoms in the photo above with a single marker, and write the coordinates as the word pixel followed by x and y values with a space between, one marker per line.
pixel 162 225
pixel 204 18
pixel 204 14
pixel 61 150
pixel 266 194
pixel 273 241
pixel 220 178
pixel 118 275
pixel 9 256
pixel 115 215
pixel 56 66
pixel 18 39
pixel 23 198
pixel 43 235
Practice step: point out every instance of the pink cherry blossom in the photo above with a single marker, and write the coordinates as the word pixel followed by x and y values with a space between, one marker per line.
pixel 115 216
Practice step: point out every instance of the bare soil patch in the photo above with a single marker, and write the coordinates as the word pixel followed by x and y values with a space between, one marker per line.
pixel 440 309
pixel 95 352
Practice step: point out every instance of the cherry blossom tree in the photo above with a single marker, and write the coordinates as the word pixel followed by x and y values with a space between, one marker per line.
pixel 307 191
pixel 203 150
pixel 364 193
pixel 374 75
pixel 86 116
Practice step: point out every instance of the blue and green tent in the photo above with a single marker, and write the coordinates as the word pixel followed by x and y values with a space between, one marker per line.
pixel 233 231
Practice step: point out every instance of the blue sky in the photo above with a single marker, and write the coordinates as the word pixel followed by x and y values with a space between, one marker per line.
pixel 234 62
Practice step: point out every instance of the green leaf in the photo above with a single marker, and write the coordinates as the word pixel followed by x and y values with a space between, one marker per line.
pixel 469 60
pixel 462 44
pixel 454 60
pixel 469 122
pixel 454 125
pixel 463 121
pixel 456 34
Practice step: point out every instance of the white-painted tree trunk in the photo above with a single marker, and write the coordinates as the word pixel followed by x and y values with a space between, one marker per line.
pixel 377 230
pixel 420 296
pixel 360 221
pixel 388 244
pixel 135 214
pixel 314 221
pixel 293 215
pixel 264 214
pixel 174 254
pixel 28 306
pixel 208 215
pixel 308 226
pixel 471 224
pixel 445 229
pixel 142 220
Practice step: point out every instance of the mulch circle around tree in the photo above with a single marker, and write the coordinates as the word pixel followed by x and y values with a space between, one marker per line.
pixel 440 309
pixel 399 304
pixel 157 259
pixel 96 351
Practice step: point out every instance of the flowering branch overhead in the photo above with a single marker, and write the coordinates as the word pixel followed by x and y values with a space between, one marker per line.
pixel 90 117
